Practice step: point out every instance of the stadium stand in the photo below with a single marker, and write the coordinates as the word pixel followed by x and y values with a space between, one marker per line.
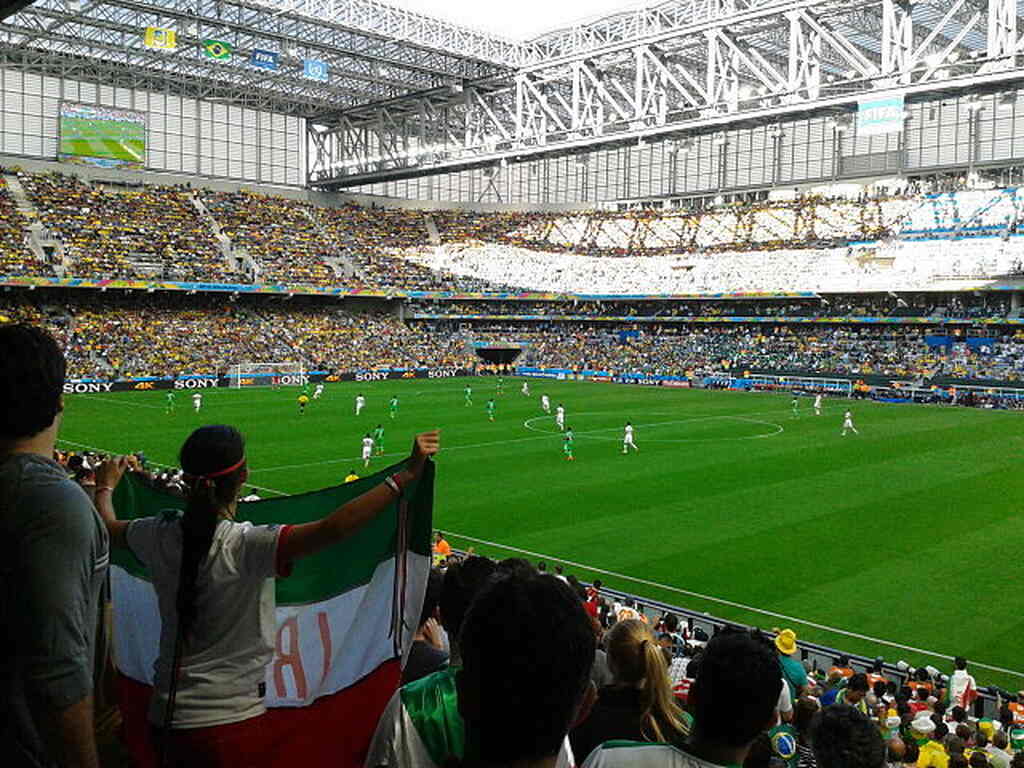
pixel 109 336
pixel 145 230
pixel 119 335
pixel 15 257
pixel 278 234
pixel 896 243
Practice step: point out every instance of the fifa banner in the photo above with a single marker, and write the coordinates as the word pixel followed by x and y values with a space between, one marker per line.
pixel 345 618
pixel 160 38
pixel 880 116
pixel 200 382
pixel 264 59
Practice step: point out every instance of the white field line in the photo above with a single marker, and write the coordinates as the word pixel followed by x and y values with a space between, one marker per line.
pixel 731 604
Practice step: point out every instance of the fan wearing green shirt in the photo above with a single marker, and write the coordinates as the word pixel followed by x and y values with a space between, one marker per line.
pixel 793 671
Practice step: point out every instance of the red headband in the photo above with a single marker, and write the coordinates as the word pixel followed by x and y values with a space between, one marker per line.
pixel 228 471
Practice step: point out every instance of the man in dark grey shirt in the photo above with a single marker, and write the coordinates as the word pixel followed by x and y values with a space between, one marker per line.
pixel 54 555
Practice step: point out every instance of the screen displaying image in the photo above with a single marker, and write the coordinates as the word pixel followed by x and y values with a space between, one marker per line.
pixel 102 136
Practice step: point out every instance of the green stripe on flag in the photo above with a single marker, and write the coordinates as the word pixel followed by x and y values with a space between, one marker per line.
pixel 217 49
pixel 334 571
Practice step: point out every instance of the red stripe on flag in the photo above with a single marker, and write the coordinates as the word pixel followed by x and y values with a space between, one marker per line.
pixel 334 730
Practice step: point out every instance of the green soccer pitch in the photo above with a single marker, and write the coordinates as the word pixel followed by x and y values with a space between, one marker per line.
pixel 907 533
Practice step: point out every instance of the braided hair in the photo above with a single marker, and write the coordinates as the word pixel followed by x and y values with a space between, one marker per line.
pixel 207 452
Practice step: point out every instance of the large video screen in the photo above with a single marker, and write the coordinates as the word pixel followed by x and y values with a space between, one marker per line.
pixel 102 136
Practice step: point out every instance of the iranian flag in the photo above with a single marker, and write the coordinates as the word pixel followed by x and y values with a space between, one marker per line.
pixel 344 619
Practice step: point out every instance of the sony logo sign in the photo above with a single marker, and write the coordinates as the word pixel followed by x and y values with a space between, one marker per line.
pixel 82 387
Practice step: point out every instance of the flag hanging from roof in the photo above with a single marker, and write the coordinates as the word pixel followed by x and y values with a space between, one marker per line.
pixel 345 618
pixel 161 38
pixel 217 49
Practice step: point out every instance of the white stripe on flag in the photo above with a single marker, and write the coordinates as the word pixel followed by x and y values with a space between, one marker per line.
pixel 350 630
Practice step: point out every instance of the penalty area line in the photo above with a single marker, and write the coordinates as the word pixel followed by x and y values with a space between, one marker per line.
pixel 732 604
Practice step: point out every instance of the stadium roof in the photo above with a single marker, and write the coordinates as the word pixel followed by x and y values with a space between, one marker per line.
pixel 375 52
pixel 372 51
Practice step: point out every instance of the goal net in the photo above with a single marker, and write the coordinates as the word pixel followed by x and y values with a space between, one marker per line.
pixel 266 375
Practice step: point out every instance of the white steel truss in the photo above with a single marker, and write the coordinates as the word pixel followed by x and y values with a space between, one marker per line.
pixel 364 64
pixel 679 66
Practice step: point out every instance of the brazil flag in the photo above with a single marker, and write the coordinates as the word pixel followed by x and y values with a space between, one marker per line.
pixel 217 49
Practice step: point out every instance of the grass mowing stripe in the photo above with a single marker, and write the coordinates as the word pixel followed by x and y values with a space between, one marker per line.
pixel 730 603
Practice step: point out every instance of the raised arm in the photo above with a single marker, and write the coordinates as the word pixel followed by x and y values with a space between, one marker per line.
pixel 108 475
pixel 309 538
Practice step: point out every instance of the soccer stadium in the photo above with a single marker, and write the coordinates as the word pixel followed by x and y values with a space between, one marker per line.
pixel 438 384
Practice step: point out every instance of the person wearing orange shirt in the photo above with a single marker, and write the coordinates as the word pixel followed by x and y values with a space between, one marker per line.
pixel 442 549
pixel 1017 709
pixel 841 669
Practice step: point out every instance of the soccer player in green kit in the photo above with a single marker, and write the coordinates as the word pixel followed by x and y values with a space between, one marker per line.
pixel 393 406
pixel 378 439
pixel 490 409
pixel 469 395
pixel 567 447
pixel 170 401
pixel 501 385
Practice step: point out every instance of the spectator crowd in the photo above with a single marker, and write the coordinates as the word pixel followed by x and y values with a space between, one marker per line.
pixel 116 334
pixel 901 242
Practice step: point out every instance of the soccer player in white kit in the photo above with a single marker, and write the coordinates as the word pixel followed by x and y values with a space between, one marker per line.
pixel 197 401
pixel 318 391
pixel 525 388
pixel 817 405
pixel 360 402
pixel 848 424
pixel 627 439
pixel 560 417
pixel 545 404
pixel 367 449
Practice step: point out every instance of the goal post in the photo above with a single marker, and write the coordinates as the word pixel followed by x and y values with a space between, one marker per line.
pixel 266 374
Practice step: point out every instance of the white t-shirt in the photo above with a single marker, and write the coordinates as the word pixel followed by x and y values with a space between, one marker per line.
pixel 223 666
pixel 360 401
pixel 848 417
pixel 197 397
pixel 785 703
pixel 544 401
pixel 629 435
pixel 560 411
pixel 817 401
pixel 618 754
pixel 367 444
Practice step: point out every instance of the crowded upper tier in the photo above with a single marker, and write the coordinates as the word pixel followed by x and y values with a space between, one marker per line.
pixel 60 224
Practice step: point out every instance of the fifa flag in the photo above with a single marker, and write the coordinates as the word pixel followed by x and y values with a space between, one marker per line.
pixel 161 38
pixel 345 619
pixel 264 59
pixel 314 69
pixel 878 116
pixel 217 49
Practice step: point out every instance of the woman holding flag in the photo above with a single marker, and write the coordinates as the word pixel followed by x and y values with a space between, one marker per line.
pixel 213 578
